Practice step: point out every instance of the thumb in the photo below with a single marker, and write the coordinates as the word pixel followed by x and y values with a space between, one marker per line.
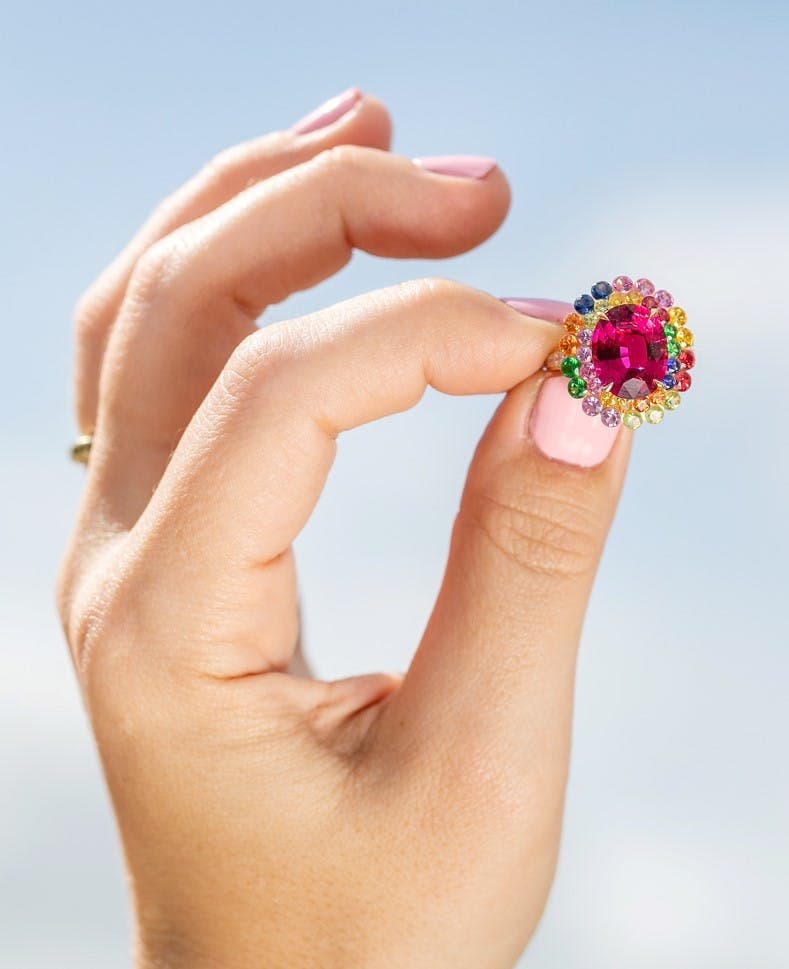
pixel 490 689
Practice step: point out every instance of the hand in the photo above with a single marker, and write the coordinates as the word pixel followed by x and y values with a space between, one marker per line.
pixel 269 819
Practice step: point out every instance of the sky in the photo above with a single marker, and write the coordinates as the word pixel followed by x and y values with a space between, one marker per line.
pixel 647 139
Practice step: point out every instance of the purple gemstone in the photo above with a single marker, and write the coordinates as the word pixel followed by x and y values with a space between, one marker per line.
pixel 591 406
pixel 584 354
pixel 610 417
pixel 645 286
pixel 663 298
pixel 593 384
pixel 629 351
pixel 584 337
pixel 588 371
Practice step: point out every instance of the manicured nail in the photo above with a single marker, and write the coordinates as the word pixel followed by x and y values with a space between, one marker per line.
pixel 562 431
pixel 461 166
pixel 329 112
pixel 553 310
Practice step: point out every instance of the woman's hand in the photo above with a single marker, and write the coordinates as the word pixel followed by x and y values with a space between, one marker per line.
pixel 269 819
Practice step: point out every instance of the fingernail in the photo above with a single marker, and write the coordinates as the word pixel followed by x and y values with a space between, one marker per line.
pixel 553 310
pixel 461 166
pixel 562 431
pixel 330 111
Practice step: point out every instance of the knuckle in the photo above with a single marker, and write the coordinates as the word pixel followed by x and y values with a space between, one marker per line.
pixel 418 293
pixel 224 164
pixel 90 312
pixel 339 159
pixel 436 289
pixel 550 533
pixel 240 166
pixel 255 361
pixel 159 268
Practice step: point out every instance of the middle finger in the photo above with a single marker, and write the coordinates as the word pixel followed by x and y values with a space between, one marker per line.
pixel 206 284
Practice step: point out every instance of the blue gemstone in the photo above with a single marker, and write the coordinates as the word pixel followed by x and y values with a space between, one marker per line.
pixel 584 304
pixel 601 290
pixel 673 365
pixel 668 381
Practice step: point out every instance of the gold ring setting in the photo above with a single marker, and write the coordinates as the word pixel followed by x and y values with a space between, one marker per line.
pixel 80 449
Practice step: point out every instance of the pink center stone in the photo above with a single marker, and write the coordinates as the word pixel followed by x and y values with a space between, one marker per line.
pixel 629 351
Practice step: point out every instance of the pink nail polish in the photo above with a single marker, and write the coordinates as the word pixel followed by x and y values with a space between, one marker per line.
pixel 461 166
pixel 562 431
pixel 552 310
pixel 328 112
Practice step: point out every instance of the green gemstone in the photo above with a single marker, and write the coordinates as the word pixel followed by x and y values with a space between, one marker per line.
pixel 654 414
pixel 673 348
pixel 633 420
pixel 577 387
pixel 672 400
pixel 670 330
pixel 571 366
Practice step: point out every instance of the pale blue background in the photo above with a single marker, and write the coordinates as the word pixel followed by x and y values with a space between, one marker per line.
pixel 641 138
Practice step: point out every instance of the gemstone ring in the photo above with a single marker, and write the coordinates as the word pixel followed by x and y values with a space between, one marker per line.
pixel 627 353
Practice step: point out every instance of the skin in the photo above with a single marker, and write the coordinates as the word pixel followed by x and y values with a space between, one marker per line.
pixel 267 818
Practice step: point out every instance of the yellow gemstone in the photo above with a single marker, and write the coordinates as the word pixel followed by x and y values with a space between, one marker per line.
pixel 607 399
pixel 672 400
pixel 633 296
pixel 554 361
pixel 684 338
pixel 568 345
pixel 633 420
pixel 655 414
pixel 573 323
pixel 677 316
pixel 641 404
pixel 616 299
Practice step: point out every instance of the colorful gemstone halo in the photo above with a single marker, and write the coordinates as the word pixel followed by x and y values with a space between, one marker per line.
pixel 626 353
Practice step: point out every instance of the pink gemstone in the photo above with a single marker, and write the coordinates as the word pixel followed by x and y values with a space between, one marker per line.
pixel 650 302
pixel 645 286
pixel 588 371
pixel 660 314
pixel 583 354
pixel 623 284
pixel 629 351
pixel 664 298
pixel 584 337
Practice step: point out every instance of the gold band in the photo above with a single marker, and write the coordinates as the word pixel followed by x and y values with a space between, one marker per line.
pixel 80 449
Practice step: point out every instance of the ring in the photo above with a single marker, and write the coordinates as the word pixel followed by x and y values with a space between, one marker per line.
pixel 626 353
pixel 80 449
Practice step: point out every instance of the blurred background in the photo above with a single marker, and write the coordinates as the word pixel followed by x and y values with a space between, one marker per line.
pixel 647 139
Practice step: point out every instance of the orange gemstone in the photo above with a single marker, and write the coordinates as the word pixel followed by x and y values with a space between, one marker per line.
pixel 568 345
pixel 573 323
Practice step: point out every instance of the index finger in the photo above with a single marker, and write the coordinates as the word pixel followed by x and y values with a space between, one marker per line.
pixel 252 464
